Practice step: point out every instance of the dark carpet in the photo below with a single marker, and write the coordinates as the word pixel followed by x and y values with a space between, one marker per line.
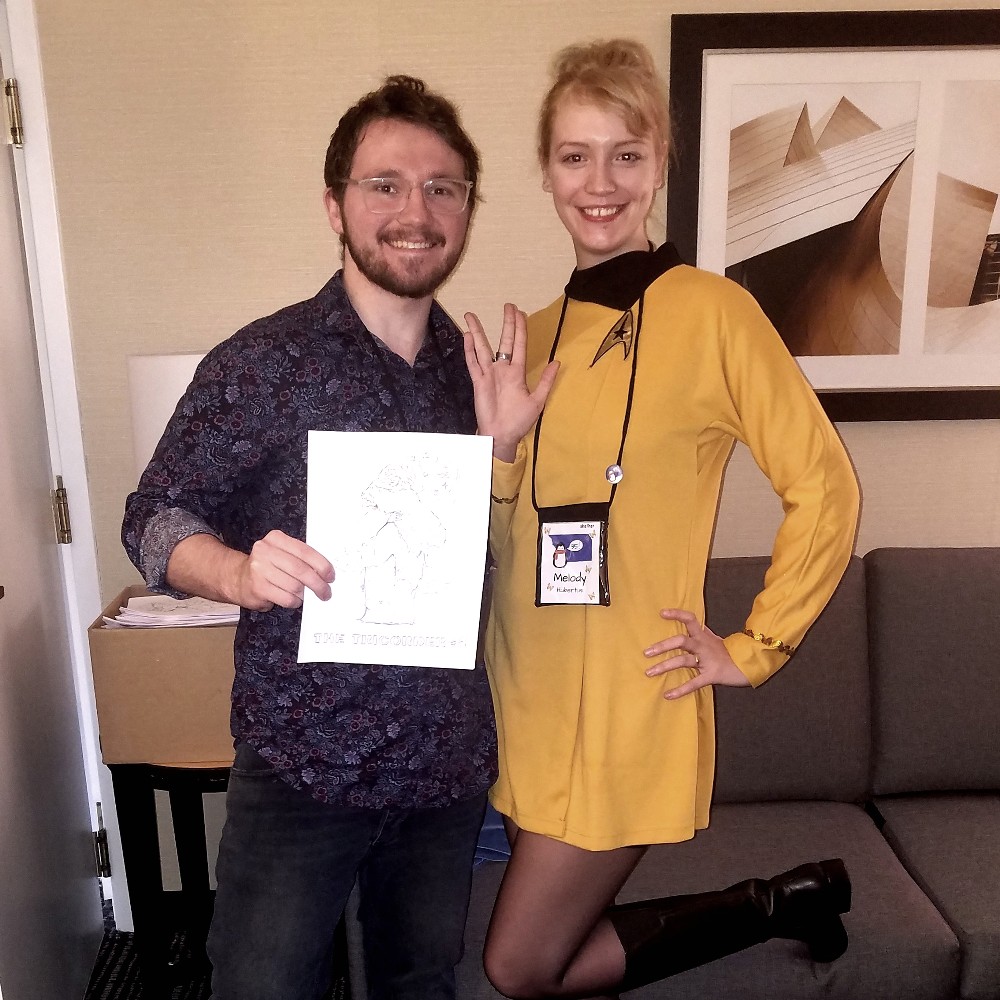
pixel 116 971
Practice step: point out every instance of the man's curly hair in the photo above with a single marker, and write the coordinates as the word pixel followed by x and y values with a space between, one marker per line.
pixel 403 98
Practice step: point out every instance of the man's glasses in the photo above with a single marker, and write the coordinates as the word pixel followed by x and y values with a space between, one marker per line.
pixel 388 195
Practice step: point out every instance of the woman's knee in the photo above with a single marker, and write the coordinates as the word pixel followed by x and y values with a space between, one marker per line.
pixel 518 976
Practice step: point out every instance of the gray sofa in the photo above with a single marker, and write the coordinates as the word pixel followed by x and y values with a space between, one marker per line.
pixel 880 744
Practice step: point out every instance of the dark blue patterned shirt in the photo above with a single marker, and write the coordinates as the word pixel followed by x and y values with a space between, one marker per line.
pixel 232 462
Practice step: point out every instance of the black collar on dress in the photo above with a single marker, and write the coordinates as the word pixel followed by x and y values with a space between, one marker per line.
pixel 617 283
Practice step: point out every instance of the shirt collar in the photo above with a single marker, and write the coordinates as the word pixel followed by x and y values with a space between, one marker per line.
pixel 339 312
pixel 617 283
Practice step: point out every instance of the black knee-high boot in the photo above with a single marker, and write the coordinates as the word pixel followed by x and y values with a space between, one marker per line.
pixel 662 937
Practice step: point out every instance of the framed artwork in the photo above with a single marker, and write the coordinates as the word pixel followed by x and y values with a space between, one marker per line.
pixel 845 169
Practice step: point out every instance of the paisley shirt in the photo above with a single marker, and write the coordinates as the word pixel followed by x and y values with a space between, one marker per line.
pixel 232 463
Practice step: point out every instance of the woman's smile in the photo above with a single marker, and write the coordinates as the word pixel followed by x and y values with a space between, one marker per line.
pixel 603 179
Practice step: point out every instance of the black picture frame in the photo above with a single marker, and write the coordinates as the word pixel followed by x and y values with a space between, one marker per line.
pixel 692 35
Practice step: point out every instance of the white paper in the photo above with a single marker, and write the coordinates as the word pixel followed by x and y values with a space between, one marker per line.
pixel 404 519
pixel 161 611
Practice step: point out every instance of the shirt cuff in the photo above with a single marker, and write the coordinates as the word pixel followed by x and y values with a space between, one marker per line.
pixel 507 476
pixel 754 659
pixel 164 531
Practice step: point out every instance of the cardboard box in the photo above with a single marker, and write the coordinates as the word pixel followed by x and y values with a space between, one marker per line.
pixel 163 694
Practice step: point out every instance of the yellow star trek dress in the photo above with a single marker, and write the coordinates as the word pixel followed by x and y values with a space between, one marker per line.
pixel 590 751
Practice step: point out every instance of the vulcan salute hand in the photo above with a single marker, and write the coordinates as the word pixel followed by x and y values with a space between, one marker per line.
pixel 505 408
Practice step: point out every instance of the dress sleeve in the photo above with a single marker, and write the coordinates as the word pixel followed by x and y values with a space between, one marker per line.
pixel 777 415
pixel 506 488
pixel 206 451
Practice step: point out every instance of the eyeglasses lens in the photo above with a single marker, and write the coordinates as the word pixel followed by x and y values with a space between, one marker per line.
pixel 388 195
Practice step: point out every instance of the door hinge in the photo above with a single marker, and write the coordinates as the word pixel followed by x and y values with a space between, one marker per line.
pixel 60 510
pixel 12 102
pixel 102 857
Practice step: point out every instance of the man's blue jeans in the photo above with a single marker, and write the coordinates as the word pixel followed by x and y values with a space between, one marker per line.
pixel 287 864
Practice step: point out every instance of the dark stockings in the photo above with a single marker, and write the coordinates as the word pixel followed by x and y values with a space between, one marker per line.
pixel 555 932
pixel 549 936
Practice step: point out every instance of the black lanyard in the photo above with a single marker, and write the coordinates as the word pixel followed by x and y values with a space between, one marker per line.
pixel 628 403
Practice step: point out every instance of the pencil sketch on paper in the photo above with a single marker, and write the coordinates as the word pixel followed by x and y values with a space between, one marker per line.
pixel 403 518
pixel 400 536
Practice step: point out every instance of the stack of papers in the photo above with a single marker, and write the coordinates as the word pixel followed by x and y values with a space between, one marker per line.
pixel 160 611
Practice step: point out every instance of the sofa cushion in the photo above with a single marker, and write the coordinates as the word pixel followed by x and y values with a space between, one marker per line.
pixel 900 947
pixel 934 618
pixel 950 844
pixel 805 733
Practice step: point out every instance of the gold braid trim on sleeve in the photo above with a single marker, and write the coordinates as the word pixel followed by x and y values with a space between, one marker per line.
pixel 770 642
pixel 497 499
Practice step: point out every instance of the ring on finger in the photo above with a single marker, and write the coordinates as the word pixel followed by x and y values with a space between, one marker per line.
pixel 502 356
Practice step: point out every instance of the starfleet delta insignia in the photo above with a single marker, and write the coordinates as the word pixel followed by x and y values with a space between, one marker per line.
pixel 620 334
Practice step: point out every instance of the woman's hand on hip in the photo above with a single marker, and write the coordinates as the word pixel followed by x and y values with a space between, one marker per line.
pixel 699 649
pixel 505 408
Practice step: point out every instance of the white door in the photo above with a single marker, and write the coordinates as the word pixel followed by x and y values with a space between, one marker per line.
pixel 50 913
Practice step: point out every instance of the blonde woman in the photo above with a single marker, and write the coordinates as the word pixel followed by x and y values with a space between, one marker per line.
pixel 604 501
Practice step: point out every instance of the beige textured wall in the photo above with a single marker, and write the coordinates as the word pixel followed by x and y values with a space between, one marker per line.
pixel 188 141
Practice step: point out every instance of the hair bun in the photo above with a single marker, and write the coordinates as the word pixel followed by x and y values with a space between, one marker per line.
pixel 407 82
pixel 602 56
pixel 618 74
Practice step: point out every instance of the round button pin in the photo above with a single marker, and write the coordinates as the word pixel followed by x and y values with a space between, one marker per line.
pixel 614 474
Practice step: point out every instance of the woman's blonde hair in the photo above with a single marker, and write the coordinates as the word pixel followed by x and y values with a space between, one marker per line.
pixel 619 75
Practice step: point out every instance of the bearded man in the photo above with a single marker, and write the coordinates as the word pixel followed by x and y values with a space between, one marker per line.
pixel 342 771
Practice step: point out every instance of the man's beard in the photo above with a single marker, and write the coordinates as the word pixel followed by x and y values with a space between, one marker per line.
pixel 400 282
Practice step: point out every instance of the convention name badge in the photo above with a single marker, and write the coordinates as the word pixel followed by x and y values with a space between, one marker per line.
pixel 573 555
